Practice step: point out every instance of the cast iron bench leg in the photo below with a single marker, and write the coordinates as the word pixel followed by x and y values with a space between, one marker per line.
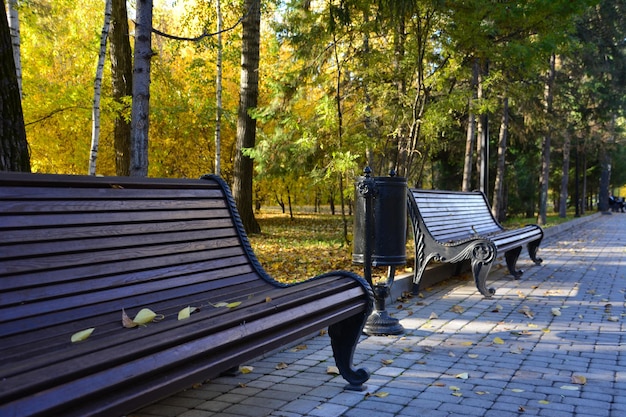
pixel 511 257
pixel 343 339
pixel 532 251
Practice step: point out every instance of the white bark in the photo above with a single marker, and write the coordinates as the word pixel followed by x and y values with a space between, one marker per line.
pixel 14 26
pixel 97 88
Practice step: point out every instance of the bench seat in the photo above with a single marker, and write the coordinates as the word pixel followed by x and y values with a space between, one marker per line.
pixel 77 251
pixel 453 226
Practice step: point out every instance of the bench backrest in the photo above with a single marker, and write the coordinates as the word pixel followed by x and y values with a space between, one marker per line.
pixel 453 215
pixel 74 247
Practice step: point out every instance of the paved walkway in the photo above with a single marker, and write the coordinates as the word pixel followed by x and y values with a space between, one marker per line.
pixel 551 344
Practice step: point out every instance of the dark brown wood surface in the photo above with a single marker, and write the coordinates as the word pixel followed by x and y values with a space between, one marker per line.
pixel 76 251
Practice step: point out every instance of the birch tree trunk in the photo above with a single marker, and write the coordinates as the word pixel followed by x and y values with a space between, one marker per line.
pixel 141 90
pixel 97 89
pixel 13 146
pixel 218 92
pixel 497 207
pixel 545 147
pixel 122 83
pixel 246 125
pixel 14 26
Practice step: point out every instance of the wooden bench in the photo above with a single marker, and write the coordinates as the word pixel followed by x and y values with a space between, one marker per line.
pixel 76 251
pixel 452 226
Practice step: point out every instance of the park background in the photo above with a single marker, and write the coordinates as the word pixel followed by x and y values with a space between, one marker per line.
pixel 523 100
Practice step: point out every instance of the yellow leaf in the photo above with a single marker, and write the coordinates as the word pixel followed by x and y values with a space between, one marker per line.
pixel 482 392
pixel 144 316
pixel 246 369
pixel 458 309
pixel 545 330
pixel 332 370
pixel 498 341
pixel 544 402
pixel 381 394
pixel 220 304
pixel 532 325
pixel 282 365
pixel 298 348
pixel 457 394
pixel 82 335
pixel 233 304
pixel 517 390
pixel 387 361
pixel 268 299
pixel 467 343
pixel 472 355
pixel 463 375
pixel 406 349
pixel 453 388
pixel 579 379
pixel 186 312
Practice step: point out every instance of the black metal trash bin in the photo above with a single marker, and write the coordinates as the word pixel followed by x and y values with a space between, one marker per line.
pixel 389 222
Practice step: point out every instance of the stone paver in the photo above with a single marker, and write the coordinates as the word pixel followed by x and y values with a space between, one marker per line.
pixel 523 352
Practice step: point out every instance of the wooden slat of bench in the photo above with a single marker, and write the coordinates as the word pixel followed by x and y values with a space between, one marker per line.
pixel 141 382
pixel 122 344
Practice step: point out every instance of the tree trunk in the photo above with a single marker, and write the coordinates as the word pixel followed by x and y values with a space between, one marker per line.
pixel 141 90
pixel 565 177
pixel 97 89
pixel 218 92
pixel 246 125
pixel 497 207
pixel 14 26
pixel 470 141
pixel 14 154
pixel 545 148
pixel 483 135
pixel 122 80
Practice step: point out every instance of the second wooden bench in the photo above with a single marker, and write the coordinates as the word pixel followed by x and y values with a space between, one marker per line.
pixel 453 226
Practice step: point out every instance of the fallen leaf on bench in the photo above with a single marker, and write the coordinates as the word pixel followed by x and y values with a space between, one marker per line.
pixel 126 321
pixel 498 341
pixel 146 316
pixel 186 312
pixel 220 304
pixel 332 370
pixel 463 375
pixel 143 317
pixel 386 361
pixel 233 304
pixel 282 365
pixel 570 387
pixel 82 335
pixel 579 379
pixel 556 311
pixel 246 369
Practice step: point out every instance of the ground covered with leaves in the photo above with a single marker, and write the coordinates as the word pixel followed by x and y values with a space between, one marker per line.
pixel 309 244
